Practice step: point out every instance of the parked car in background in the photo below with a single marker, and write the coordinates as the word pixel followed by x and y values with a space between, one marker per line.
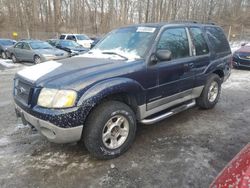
pixel 81 39
pixel 35 51
pixel 236 173
pixel 140 73
pixel 95 41
pixel 241 57
pixel 69 46
pixel 4 44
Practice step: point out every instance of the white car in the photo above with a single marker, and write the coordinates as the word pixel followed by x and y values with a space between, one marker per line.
pixel 81 39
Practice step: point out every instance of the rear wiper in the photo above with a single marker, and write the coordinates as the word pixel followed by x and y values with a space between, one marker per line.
pixel 114 53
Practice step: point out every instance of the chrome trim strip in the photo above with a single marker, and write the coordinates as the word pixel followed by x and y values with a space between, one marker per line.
pixel 143 112
pixel 165 100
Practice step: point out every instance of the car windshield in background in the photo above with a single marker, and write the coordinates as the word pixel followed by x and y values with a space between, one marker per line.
pixel 40 45
pixel 131 40
pixel 82 37
pixel 69 43
pixel 7 42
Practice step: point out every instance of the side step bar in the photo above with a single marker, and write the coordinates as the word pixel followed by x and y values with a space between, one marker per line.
pixel 170 113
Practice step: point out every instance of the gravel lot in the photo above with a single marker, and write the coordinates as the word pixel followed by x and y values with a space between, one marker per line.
pixel 186 150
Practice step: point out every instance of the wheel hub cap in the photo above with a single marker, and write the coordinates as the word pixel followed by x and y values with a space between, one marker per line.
pixel 213 91
pixel 115 132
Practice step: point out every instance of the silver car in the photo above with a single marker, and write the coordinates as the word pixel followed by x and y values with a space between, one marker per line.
pixel 35 51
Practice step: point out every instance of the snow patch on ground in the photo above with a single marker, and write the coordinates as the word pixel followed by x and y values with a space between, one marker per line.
pixel 8 63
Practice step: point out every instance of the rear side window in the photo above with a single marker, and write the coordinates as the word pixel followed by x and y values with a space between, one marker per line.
pixel 62 37
pixel 71 37
pixel 217 39
pixel 176 41
pixel 199 41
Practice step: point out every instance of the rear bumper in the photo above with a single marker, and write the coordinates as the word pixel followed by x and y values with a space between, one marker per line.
pixel 52 132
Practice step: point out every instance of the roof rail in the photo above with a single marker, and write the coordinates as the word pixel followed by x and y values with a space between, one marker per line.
pixel 191 21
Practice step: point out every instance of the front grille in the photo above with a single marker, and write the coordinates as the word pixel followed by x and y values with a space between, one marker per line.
pixel 22 91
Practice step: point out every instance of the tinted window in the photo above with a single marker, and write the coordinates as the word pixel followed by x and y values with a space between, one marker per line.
pixel 19 45
pixel 26 46
pixel 62 37
pixel 199 42
pixel 176 41
pixel 217 39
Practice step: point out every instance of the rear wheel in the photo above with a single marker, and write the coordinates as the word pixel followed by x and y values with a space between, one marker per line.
pixel 37 59
pixel 211 92
pixel 3 55
pixel 14 59
pixel 110 130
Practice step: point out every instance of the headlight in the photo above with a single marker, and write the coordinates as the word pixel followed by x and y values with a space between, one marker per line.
pixel 53 98
pixel 74 51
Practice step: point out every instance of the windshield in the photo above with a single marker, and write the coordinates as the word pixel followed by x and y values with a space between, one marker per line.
pixel 82 37
pixel 7 42
pixel 69 43
pixel 129 42
pixel 40 45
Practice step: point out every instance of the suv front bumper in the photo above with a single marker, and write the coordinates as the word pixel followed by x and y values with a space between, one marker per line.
pixel 52 132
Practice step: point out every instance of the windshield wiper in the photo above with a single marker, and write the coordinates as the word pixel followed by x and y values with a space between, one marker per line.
pixel 114 53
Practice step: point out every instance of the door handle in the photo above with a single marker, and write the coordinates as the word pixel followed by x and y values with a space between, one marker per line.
pixel 189 65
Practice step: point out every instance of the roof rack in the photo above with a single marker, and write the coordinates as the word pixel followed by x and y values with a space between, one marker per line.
pixel 191 21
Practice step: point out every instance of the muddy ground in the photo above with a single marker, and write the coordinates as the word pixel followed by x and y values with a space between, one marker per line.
pixel 186 150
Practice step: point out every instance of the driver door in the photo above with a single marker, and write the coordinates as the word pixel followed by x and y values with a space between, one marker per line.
pixel 176 76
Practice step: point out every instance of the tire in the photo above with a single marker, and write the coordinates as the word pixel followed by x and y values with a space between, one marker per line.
pixel 14 59
pixel 110 130
pixel 211 93
pixel 37 59
pixel 3 55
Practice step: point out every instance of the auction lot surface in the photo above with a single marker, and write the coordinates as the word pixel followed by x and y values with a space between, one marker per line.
pixel 186 150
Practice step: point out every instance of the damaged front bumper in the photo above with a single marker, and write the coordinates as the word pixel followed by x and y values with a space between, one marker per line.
pixel 52 132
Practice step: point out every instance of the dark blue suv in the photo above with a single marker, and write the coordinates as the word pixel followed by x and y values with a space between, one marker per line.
pixel 140 73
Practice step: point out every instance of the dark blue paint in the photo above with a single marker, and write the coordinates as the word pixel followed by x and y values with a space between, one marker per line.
pixel 95 79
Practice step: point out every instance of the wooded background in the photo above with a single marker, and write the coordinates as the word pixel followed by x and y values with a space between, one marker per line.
pixel 48 18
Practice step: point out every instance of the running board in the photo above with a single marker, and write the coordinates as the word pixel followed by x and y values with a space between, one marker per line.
pixel 170 113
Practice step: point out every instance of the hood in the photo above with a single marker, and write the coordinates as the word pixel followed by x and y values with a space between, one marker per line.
pixel 244 49
pixel 73 72
pixel 53 51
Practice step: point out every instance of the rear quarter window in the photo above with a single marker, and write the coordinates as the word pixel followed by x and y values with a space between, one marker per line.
pixel 199 41
pixel 218 40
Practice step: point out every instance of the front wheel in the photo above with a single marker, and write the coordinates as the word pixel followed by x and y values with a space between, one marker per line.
pixel 110 130
pixel 37 59
pixel 211 92
pixel 14 59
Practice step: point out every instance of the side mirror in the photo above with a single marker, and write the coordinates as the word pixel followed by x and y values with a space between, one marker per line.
pixel 163 55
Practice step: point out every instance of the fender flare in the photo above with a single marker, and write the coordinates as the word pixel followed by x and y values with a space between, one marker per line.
pixel 112 86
